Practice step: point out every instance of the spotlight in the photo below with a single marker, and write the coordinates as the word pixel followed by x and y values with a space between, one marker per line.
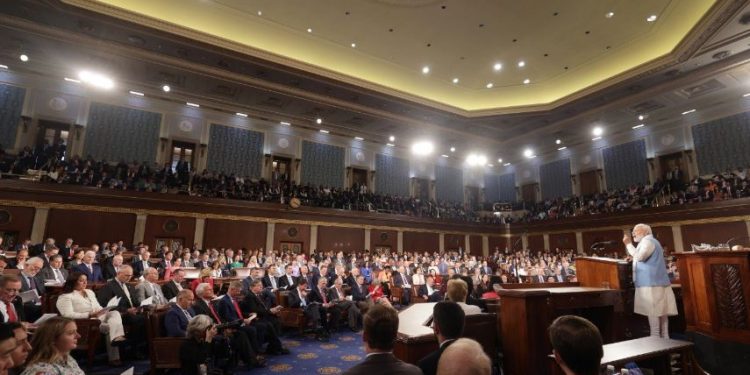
pixel 651 18
pixel 319 121
pixel 136 93
pixel 359 139
pixel 24 58
pixel 96 79
pixel 324 131
pixel 689 111
pixel 529 153
pixel 166 88
pixel 639 126
pixel 453 149
pixel 557 142
pixel 285 123
pixel 455 80
pixel 474 160
pixel 497 67
pixel 499 160
pixel 196 105
pixel 422 148
pixel 597 132
pixel 425 69
pixel 392 138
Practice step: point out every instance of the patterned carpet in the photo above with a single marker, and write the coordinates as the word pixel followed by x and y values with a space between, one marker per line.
pixel 308 356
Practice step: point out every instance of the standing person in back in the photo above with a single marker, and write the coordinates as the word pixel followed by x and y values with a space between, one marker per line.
pixel 380 329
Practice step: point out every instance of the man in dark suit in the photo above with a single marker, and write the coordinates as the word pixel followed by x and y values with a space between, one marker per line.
pixel 141 265
pixel 319 294
pixel 11 306
pixel 288 281
pixel 129 302
pixel 448 325
pixel 270 280
pixel 177 318
pixel 66 251
pixel 30 279
pixel 55 271
pixel 428 291
pixel 111 265
pixel 299 298
pixel 255 302
pixel 203 262
pixel 174 286
pixel 92 271
pixel 380 328
pixel 401 280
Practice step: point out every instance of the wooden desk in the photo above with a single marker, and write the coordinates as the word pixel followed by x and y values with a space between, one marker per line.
pixel 648 352
pixel 526 314
pixel 414 340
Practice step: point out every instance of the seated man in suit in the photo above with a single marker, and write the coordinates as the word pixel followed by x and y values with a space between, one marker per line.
pixel 576 345
pixel 327 308
pixel 111 265
pixel 337 296
pixel 177 318
pixel 380 329
pixel 92 271
pixel 448 325
pixel 55 271
pixel 229 310
pixel 299 298
pixel 288 281
pixel 140 266
pixel 359 294
pixel 464 356
pixel 129 302
pixel 428 292
pixel 148 288
pixel 174 286
pixel 255 302
pixel 402 281
pixel 202 262
pixel 30 280
pixel 11 306
pixel 270 280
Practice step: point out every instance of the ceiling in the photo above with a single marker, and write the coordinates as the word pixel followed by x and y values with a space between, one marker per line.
pixel 708 70
pixel 567 46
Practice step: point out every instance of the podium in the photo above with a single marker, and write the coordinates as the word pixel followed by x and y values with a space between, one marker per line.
pixel 604 273
pixel 716 293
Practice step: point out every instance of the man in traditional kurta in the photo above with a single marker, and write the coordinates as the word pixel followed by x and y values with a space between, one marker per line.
pixel 653 291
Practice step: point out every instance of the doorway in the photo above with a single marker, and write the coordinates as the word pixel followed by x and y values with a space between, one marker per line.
pixel 528 192
pixel 359 178
pixel 281 168
pixel 53 134
pixel 182 151
pixel 422 189
pixel 472 196
pixel 589 182
pixel 672 170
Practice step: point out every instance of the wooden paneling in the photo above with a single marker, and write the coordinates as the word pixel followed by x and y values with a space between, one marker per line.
pixel 615 235
pixel 453 242
pixel 476 245
pixel 234 234
pixel 497 243
pixel 419 241
pixel 383 238
pixel 163 227
pixel 528 192
pixel 536 242
pixel 589 182
pixel 87 227
pixel 292 233
pixel 665 238
pixel 21 219
pixel 341 239
pixel 563 241
pixel 712 233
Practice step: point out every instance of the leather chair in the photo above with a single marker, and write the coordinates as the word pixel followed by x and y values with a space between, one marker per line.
pixel 164 351
pixel 397 293
pixel 483 329
pixel 89 329
pixel 293 317
pixel 415 295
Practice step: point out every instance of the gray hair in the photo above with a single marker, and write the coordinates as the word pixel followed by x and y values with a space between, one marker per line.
pixel 36 260
pixel 201 288
pixel 645 227
pixel 198 325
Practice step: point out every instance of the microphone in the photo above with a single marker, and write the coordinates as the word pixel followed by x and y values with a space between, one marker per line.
pixel 729 242
pixel 600 244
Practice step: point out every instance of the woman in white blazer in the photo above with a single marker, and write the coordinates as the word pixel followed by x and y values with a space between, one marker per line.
pixel 77 302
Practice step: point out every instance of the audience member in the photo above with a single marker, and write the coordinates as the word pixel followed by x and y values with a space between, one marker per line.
pixel 576 345
pixel 51 346
pixel 448 320
pixel 456 292
pixel 465 357
pixel 8 345
pixel 23 348
pixel 177 318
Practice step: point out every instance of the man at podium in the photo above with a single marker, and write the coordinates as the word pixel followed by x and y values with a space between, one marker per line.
pixel 653 292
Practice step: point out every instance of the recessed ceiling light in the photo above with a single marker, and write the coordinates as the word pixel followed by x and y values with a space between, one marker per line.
pixel 528 153
pixel 490 165
pixel 526 81
pixel 651 18
pixel 609 14
pixel 72 80
pixel 137 93
pixel 354 45
pixel 166 88
pixel 196 105
pixel 260 13
pixel 3 66
pixel 474 160
pixel 561 148
pixel 598 131
pixel 96 79
pixel 689 111
pixel 241 114
pixel 453 149
pixel 521 64
pixel 558 141
pixel 455 80
pixel 639 126
pixel 596 138
pixel 506 164
pixel 319 121
pixel 309 30
pixel 444 155
pixel 24 58
pixel 490 85
pixel 422 148
pixel 390 145
pixel 497 66
pixel 499 160
pixel 324 131
pixel 285 123
pixel 641 117
pixel 392 138
pixel 425 69
pixel 744 95
pixel 359 139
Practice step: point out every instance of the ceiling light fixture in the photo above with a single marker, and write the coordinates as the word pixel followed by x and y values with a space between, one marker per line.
pixel 521 64
pixel 444 155
pixel 359 139
pixel 490 85
pixel 3 66
pixel 166 88
pixel 318 120
pixel 526 81
pixel 497 66
pixel 597 132
pixel 453 149
pixel 529 153
pixel 390 145
pixel 260 13
pixel 425 69
pixel 641 117
pixel 558 141
pixel 474 160
pixel 651 18
pixel 72 80
pixel 392 138
pixel 136 93
pixel 561 148
pixel 196 105
pixel 596 138
pixel 309 30
pixel 354 45
pixel 24 58
pixel 506 164
pixel 285 123
pixel 241 114
pixel 609 14
pixel 422 148
pixel 96 79
pixel 689 111
pixel 499 160
pixel 455 80
pixel 639 126
pixel 324 131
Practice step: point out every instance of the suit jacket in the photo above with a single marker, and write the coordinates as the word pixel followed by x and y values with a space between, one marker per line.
pixel 18 304
pixel 255 304
pixel 48 274
pixel 144 292
pixel 94 277
pixel 267 281
pixel 75 306
pixel 285 284
pixel 138 267
pixel 351 281
pixel 399 279
pixel 109 271
pixel 294 299
pixel 225 308
pixel 170 290
pixel 175 322
pixel 385 363
pixel 429 363
pixel 315 295
pixel 199 264
pixel 112 289
pixel 359 295
pixel 38 281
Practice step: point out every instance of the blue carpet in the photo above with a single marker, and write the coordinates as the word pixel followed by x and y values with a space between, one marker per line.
pixel 309 356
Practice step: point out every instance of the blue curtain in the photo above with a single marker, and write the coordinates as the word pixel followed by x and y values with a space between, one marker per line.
pixel 491 188
pixel 392 175
pixel 555 179
pixel 11 104
pixel 625 164
pixel 322 164
pixel 507 186
pixel 723 144
pixel 449 184
pixel 235 150
pixel 118 133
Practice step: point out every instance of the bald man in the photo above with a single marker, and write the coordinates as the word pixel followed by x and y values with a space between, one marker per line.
pixel 466 357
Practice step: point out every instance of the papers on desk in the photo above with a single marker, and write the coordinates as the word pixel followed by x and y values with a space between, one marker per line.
pixel 113 303
pixel 129 371
pixel 148 301
pixel 29 296
pixel 43 318
pixel 52 282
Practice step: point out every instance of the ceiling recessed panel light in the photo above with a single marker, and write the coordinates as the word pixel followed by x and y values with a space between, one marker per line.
pixel 558 141
pixel 285 123
pixel 639 126
pixel 3 66
pixel 474 160
pixel 425 69
pixel 354 45
pixel 390 145
pixel 529 153
pixel 359 139
pixel 309 30
pixel 506 164
pixel 260 13
pixel 196 105
pixel 422 148
pixel 444 155
pixel 609 14
pixel 526 81
pixel 72 80
pixel 598 131
pixel 136 93
pixel 241 114
pixel 497 66
pixel 455 80
pixel 499 160
pixel 689 111
pixel 561 148
pixel 490 85
pixel 96 79
pixel 596 138
pixel 651 18
pixel 324 131
pixel 521 64
pixel 453 149
pixel 24 58
pixel 166 88
pixel 392 138
pixel 318 121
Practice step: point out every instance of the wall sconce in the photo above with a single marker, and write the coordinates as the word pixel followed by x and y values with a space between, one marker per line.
pixel 203 149
pixel 25 121
pixel 78 129
pixel 164 141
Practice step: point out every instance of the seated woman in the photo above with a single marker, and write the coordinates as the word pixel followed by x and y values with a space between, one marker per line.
pixel 375 290
pixel 237 262
pixel 77 259
pixel 77 302
pixel 197 349
pixel 436 276
pixel 176 264
pixel 204 277
pixel 418 277
pixel 217 268
pixel 50 349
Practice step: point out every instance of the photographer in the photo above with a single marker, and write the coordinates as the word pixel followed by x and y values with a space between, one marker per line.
pixel 197 352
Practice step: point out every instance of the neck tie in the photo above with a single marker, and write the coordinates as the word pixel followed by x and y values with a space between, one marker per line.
pixel 11 312
pixel 213 312
pixel 237 308
pixel 187 314
pixel 59 276
pixel 32 284
pixel 302 301
pixel 127 293
pixel 322 294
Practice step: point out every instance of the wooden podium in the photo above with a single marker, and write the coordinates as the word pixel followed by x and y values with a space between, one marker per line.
pixel 604 273
pixel 716 293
